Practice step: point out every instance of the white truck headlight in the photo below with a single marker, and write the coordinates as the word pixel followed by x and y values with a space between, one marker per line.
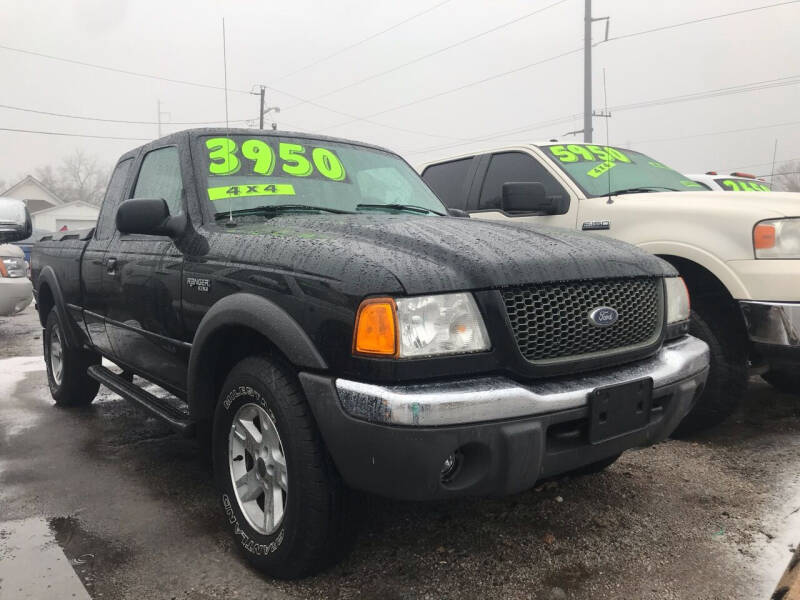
pixel 442 324
pixel 678 306
pixel 777 238
pixel 13 267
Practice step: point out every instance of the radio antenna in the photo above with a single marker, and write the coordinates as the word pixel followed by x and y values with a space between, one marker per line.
pixel 608 117
pixel 230 222
pixel 225 68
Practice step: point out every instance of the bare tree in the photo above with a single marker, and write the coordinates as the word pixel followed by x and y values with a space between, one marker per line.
pixel 787 177
pixel 78 177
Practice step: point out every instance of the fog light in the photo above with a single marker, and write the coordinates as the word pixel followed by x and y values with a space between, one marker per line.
pixel 450 466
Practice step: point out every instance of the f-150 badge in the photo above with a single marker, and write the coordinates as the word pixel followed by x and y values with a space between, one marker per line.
pixel 202 285
pixel 596 225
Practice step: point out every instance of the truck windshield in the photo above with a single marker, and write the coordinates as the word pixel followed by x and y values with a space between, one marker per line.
pixel 600 169
pixel 244 172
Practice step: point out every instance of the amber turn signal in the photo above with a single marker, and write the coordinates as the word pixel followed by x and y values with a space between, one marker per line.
pixel 764 237
pixel 376 328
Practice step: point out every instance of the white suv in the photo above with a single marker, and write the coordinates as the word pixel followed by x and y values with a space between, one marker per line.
pixel 15 288
pixel 738 253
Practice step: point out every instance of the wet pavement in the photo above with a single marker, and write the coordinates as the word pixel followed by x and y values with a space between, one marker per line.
pixel 132 508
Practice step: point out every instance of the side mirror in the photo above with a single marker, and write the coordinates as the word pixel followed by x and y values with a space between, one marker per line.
pixel 149 216
pixel 15 221
pixel 530 197
pixel 457 212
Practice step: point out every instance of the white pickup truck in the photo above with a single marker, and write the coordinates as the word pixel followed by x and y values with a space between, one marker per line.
pixel 739 254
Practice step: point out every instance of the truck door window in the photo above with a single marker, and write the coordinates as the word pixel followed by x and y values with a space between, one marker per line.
pixel 108 211
pixel 160 177
pixel 518 167
pixel 449 182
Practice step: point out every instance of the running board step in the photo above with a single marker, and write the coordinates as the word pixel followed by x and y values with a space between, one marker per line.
pixel 132 392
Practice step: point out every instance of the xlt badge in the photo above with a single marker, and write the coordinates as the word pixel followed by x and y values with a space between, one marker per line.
pixel 202 285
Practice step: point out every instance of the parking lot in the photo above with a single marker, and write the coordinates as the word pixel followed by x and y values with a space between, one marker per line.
pixel 132 507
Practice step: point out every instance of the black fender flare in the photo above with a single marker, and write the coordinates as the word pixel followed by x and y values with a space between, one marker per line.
pixel 253 312
pixel 48 276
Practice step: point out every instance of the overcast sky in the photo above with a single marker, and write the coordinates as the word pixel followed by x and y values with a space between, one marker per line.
pixel 271 42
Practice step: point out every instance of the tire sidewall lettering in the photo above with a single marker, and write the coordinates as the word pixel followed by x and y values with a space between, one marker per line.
pixel 243 535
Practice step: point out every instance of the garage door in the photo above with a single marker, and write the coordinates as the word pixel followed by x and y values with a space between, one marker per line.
pixel 73 224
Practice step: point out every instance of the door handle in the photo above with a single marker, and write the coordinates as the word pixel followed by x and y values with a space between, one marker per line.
pixel 111 266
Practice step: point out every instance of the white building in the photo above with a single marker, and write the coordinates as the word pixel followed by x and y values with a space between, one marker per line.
pixel 48 211
pixel 69 216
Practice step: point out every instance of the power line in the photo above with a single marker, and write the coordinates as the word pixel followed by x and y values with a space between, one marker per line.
pixel 462 87
pixel 116 70
pixel 760 164
pixel 638 33
pixel 362 41
pixel 436 52
pixel 726 91
pixel 80 135
pixel 743 88
pixel 696 135
pixel 693 21
pixel 105 120
pixel 216 87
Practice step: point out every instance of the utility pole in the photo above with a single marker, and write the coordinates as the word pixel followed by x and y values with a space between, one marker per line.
pixel 262 110
pixel 160 114
pixel 587 68
pixel 587 73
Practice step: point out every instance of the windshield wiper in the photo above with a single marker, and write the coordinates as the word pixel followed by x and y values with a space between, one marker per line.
pixel 642 190
pixel 406 207
pixel 276 208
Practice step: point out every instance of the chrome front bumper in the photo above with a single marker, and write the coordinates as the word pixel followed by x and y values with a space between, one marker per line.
pixel 484 399
pixel 776 323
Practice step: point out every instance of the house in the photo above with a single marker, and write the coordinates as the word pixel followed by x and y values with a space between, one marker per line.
pixel 68 216
pixel 48 211
pixel 34 193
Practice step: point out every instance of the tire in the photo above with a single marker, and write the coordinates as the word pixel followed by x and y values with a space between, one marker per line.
pixel 783 380
pixel 262 398
pixel 66 367
pixel 727 376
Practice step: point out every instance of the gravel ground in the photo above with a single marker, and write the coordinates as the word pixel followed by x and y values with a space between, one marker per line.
pixel 710 517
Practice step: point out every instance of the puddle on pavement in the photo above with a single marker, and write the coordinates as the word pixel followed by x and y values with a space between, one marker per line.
pixel 89 554
pixel 13 373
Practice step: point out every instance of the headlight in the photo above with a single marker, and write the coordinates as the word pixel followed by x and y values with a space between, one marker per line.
pixel 12 267
pixel 677 300
pixel 777 238
pixel 420 326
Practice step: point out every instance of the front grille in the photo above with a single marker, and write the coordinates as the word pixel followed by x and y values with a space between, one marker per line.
pixel 551 322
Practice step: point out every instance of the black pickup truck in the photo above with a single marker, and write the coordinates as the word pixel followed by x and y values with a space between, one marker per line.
pixel 314 314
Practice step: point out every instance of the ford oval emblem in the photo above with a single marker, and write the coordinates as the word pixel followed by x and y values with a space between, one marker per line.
pixel 603 316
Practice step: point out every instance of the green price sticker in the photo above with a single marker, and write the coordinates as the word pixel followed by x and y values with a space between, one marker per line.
pixel 691 184
pixel 589 153
pixel 257 157
pixel 603 167
pixel 248 191
pixel 743 186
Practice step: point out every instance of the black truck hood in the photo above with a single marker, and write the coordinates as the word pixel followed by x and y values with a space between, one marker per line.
pixel 426 254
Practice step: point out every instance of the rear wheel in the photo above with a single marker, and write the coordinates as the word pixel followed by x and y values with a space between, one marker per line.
pixel 727 376
pixel 784 380
pixel 66 367
pixel 284 500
